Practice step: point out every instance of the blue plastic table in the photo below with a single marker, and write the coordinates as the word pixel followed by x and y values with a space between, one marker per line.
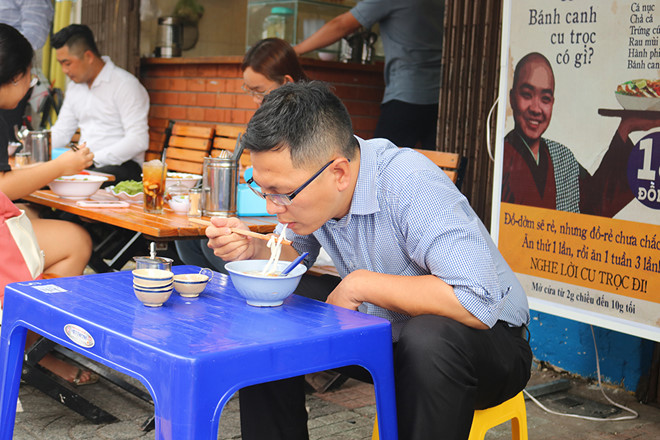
pixel 191 354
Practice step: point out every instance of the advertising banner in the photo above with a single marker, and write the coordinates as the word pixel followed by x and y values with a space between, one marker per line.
pixel 576 202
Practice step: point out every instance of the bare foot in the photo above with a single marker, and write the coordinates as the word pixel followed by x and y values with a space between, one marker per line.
pixel 64 370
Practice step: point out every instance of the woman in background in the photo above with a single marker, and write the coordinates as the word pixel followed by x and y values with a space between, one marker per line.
pixel 66 246
pixel 267 65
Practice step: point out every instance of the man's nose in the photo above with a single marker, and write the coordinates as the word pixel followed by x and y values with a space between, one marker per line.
pixel 273 208
pixel 535 106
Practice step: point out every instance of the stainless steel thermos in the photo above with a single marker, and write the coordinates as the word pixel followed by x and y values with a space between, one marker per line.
pixel 220 185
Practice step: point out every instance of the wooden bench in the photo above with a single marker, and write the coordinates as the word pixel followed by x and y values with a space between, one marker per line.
pixel 453 164
pixel 225 139
pixel 187 147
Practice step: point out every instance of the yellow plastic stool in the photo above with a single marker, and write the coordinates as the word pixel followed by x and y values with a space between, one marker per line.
pixel 484 419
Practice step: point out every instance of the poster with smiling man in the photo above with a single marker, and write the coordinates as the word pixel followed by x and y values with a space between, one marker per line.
pixel 577 177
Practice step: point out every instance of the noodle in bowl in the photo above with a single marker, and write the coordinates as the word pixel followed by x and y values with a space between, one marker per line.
pixel 262 290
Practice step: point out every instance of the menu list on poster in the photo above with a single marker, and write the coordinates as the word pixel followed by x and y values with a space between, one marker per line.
pixel 644 36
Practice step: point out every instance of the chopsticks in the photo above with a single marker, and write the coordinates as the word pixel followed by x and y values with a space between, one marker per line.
pixel 239 231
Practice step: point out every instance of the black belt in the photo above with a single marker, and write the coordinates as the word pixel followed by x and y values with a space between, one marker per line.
pixel 521 331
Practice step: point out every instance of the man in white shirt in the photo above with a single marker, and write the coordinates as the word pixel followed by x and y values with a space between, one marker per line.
pixel 107 103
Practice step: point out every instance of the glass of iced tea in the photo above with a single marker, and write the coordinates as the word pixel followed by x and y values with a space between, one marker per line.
pixel 154 174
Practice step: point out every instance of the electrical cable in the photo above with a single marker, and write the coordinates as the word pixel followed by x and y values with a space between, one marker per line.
pixel 488 125
pixel 600 386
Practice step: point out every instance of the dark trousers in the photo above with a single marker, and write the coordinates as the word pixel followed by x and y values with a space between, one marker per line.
pixel 197 253
pixel 129 170
pixel 443 371
pixel 408 125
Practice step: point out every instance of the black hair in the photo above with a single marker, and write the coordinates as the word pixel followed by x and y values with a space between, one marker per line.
pixel 78 38
pixel 16 54
pixel 305 117
pixel 274 58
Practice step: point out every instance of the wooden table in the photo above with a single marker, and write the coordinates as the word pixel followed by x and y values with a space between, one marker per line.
pixel 167 226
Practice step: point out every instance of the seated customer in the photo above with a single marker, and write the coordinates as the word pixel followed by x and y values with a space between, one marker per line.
pixel 66 246
pixel 107 103
pixel 409 248
pixel 268 64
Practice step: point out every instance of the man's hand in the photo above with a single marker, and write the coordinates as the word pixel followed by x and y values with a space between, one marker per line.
pixel 226 244
pixel 347 293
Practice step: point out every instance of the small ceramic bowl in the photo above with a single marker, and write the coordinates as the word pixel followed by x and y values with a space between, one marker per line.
pixel 263 290
pixel 180 204
pixel 190 285
pixel 152 298
pixel 162 288
pixel 152 277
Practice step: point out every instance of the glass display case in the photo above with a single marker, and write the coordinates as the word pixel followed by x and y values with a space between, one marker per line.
pixel 293 21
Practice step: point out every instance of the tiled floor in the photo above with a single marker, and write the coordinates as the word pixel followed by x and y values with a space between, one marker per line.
pixel 345 413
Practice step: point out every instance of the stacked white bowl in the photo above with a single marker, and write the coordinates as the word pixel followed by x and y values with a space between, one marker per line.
pixel 153 286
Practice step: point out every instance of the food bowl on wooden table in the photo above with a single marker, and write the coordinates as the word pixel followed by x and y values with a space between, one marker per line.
pixel 127 190
pixel 77 187
pixel 263 290
pixel 186 179
pixel 178 199
pixel 190 285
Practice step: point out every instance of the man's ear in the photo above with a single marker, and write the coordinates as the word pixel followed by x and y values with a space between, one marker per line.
pixel 88 57
pixel 342 170
pixel 288 79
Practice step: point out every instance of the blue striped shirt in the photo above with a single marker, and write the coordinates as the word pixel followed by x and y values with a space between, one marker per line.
pixel 32 18
pixel 408 218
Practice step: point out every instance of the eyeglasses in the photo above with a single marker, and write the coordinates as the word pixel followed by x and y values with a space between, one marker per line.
pixel 285 199
pixel 251 92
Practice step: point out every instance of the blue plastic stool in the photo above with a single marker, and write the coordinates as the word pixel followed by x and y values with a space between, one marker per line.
pixel 192 354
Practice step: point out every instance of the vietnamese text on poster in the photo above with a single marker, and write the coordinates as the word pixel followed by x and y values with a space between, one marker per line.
pixel 577 181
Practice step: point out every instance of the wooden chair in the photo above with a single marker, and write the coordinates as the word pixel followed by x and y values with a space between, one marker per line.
pixel 225 139
pixel 453 164
pixel 187 148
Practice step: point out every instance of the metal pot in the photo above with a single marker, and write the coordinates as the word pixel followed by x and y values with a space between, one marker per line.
pixel 358 47
pixel 35 142
pixel 169 37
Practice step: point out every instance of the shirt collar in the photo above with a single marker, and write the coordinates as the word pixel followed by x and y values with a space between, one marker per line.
pixel 105 73
pixel 364 201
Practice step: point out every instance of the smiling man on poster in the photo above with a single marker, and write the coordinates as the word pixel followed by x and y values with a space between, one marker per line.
pixel 543 173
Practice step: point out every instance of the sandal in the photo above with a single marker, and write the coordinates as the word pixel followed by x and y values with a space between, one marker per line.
pixel 93 378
